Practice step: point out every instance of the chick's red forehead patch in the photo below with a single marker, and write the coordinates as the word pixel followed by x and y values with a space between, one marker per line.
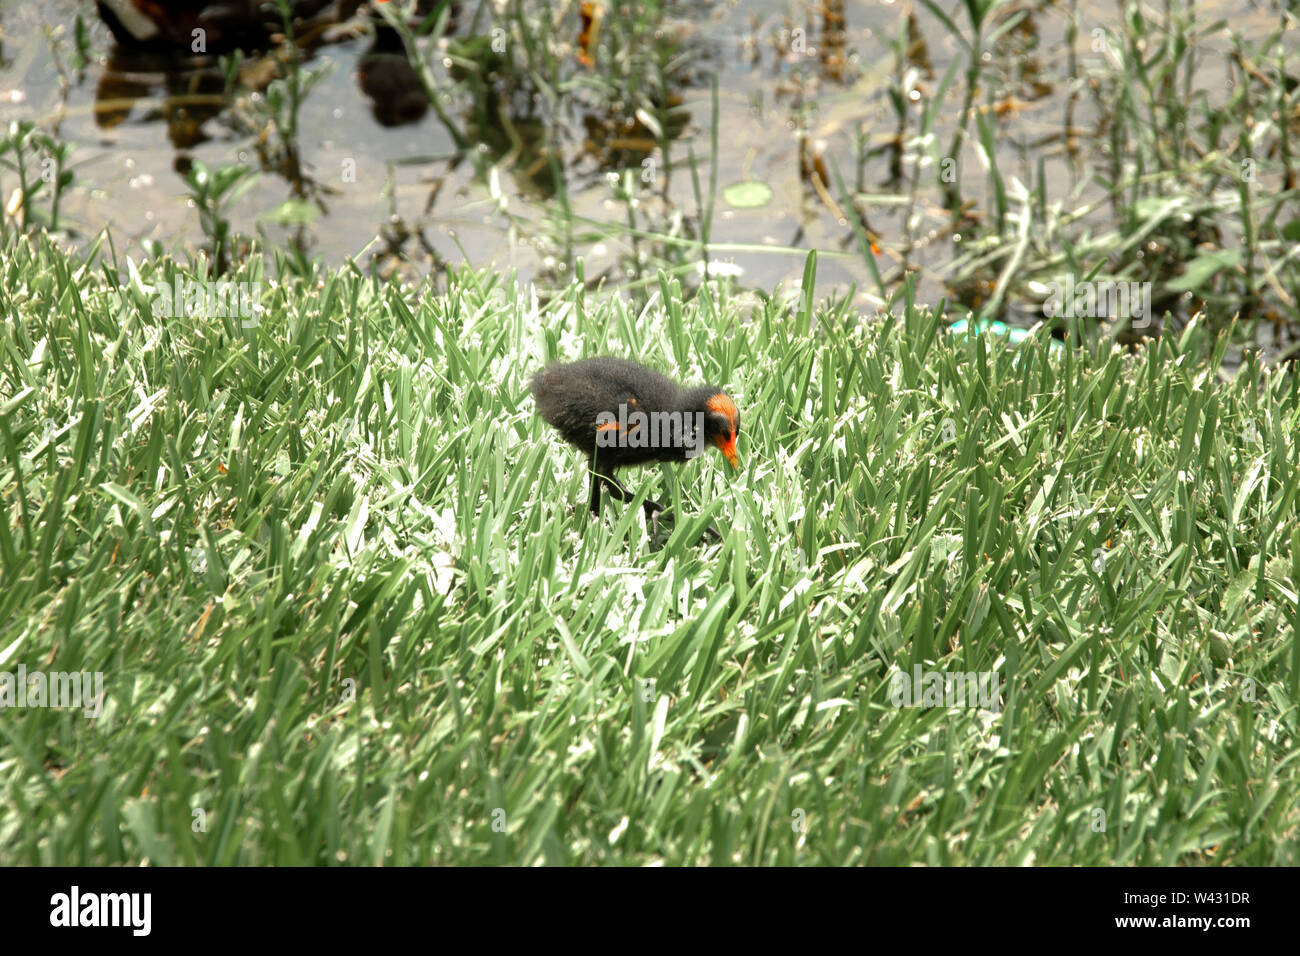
pixel 723 405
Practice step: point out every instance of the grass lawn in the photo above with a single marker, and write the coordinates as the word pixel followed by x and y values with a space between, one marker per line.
pixel 349 607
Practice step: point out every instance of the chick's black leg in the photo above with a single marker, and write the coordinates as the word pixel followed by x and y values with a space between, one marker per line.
pixel 595 494
pixel 652 508
pixel 615 488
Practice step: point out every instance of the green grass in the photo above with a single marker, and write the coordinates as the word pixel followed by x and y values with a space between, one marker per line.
pixel 240 526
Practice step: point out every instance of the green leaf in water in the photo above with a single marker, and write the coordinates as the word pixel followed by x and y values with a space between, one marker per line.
pixel 1203 268
pixel 293 212
pixel 750 194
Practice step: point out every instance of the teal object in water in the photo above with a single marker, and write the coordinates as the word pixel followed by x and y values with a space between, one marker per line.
pixel 982 326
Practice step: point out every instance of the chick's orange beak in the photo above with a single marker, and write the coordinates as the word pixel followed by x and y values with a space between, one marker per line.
pixel 727 443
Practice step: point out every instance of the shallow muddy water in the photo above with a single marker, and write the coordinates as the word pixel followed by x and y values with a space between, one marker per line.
pixel 804 92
